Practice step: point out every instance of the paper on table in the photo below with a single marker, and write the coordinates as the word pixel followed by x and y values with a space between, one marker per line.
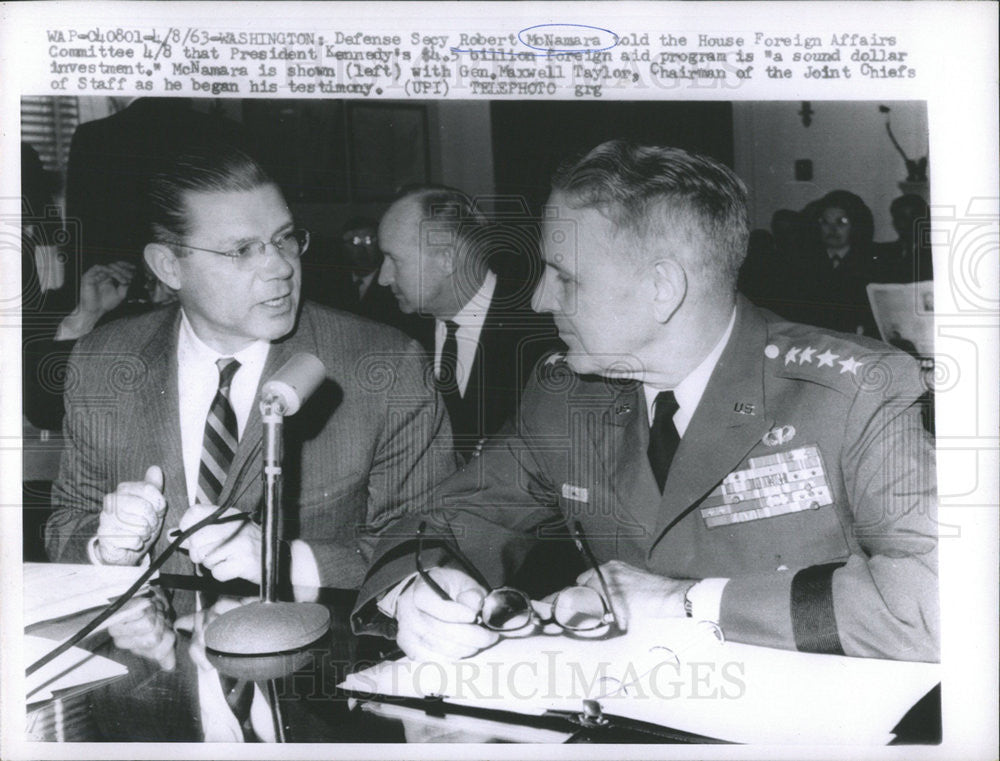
pixel 728 691
pixel 904 312
pixel 54 590
pixel 73 668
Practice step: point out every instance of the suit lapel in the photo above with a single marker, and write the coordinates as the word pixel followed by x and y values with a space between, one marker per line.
pixel 618 441
pixel 723 429
pixel 158 400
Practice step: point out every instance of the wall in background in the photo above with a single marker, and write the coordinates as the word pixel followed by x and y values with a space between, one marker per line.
pixel 846 142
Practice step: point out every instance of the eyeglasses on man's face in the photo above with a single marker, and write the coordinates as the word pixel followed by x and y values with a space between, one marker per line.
pixel 290 244
pixel 505 609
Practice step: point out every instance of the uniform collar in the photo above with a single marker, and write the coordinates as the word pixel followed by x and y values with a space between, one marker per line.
pixel 690 390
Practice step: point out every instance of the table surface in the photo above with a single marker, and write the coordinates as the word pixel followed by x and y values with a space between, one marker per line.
pixel 151 705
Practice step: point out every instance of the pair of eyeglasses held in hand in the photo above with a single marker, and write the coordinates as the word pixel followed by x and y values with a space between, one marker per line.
pixel 505 609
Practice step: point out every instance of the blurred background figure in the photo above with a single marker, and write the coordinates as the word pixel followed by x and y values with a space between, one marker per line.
pixel 352 283
pixel 438 248
pixel 830 278
pixel 908 258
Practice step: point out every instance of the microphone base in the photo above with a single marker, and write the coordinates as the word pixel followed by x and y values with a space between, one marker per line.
pixel 264 628
pixel 260 640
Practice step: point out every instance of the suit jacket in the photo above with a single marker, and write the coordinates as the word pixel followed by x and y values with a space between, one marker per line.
pixel 833 298
pixel 366 447
pixel 851 568
pixel 513 339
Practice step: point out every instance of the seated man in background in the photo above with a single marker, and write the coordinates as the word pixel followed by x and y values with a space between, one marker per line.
pixel 437 249
pixel 162 417
pixel 725 464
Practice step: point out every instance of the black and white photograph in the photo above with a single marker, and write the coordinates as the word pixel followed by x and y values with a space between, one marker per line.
pixel 474 423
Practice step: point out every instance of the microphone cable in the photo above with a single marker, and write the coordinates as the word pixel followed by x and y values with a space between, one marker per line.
pixel 154 566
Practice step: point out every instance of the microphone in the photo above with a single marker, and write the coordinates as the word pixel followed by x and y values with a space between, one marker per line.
pixel 294 382
pixel 268 629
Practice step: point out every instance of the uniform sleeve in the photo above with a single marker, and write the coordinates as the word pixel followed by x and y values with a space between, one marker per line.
pixel 414 452
pixel 78 493
pixel 488 508
pixel 882 601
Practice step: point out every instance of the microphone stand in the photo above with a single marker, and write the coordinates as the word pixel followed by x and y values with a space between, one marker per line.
pixel 267 639
pixel 272 412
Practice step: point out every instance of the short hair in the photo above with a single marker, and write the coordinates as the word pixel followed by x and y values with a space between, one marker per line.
pixel 211 168
pixel 658 190
pixel 857 211
pixel 456 213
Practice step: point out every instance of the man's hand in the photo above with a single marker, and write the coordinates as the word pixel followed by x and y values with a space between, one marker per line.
pixel 229 550
pixel 143 626
pixel 638 595
pixel 131 519
pixel 434 629
pixel 102 288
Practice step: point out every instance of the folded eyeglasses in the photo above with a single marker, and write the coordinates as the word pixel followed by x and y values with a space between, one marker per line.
pixel 505 609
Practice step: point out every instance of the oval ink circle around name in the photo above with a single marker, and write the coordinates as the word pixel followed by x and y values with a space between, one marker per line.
pixel 569 41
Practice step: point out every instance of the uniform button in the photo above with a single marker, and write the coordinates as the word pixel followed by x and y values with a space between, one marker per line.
pixel 771 351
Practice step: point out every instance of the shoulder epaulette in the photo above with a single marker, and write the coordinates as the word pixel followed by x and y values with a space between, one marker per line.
pixel 831 359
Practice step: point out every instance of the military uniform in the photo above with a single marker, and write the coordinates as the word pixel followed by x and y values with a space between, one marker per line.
pixel 804 476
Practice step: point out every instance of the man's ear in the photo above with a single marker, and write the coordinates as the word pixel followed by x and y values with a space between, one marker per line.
pixel 669 288
pixel 162 262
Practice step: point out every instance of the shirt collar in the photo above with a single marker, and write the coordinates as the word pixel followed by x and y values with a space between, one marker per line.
pixel 473 314
pixel 690 390
pixel 192 349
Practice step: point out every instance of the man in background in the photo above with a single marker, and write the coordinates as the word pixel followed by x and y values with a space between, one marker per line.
pixel 354 283
pixel 437 248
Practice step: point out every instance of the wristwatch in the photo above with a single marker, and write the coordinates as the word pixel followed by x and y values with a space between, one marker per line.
pixel 688 605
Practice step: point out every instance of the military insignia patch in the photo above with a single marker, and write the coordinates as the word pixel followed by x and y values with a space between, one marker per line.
pixel 779 435
pixel 772 485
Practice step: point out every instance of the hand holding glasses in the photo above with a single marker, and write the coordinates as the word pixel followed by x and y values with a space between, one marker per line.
pixel 575 610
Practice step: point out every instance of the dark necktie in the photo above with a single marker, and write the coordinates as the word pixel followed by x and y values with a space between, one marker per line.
pixel 663 436
pixel 447 380
pixel 221 435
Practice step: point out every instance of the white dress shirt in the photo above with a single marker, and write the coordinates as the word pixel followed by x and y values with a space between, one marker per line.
pixel 470 321
pixel 706 595
pixel 197 383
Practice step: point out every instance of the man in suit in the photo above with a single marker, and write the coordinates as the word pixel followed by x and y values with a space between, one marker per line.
pixel 353 283
pixel 724 464
pixel 437 247
pixel 162 422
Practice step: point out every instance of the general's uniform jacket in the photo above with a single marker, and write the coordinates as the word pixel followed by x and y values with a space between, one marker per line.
pixel 368 445
pixel 805 477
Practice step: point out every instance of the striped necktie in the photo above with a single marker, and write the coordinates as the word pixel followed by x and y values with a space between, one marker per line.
pixel 221 435
pixel 217 451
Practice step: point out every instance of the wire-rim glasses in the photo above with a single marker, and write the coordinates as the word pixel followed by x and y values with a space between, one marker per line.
pixel 290 244
pixel 505 609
